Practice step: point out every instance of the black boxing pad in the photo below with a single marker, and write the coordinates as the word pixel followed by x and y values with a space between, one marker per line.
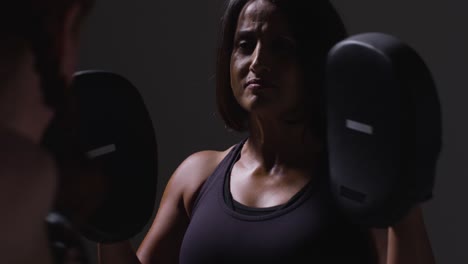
pixel 117 132
pixel 114 135
pixel 384 128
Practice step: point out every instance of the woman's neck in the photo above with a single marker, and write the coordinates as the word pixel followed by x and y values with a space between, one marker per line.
pixel 276 143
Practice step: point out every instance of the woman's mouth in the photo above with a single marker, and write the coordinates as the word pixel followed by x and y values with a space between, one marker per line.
pixel 257 84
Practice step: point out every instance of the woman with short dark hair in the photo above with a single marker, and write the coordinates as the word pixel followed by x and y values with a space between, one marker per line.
pixel 267 198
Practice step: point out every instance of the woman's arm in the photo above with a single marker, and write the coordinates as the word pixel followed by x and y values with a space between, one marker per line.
pixel 408 241
pixel 405 242
pixel 163 241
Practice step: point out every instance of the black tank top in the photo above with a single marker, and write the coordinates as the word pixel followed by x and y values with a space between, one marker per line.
pixel 307 229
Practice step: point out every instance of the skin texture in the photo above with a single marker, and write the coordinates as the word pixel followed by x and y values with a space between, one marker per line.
pixel 278 159
pixel 267 82
pixel 265 54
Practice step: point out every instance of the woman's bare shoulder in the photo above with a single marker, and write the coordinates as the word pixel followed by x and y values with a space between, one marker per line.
pixel 194 171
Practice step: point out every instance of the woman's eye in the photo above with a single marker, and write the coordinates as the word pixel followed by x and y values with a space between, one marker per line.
pixel 246 46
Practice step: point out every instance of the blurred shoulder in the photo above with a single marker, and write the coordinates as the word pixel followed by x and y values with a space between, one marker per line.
pixel 20 157
pixel 28 177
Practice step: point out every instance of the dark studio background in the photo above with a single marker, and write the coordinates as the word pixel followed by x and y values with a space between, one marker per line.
pixel 167 49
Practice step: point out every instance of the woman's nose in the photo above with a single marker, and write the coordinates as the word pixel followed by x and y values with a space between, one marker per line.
pixel 260 60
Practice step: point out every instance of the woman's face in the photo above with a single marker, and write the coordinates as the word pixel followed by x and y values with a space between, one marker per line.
pixel 265 75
